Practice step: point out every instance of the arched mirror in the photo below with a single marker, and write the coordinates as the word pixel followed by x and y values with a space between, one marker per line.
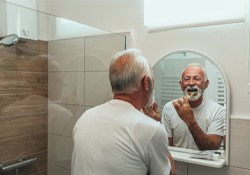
pixel 168 72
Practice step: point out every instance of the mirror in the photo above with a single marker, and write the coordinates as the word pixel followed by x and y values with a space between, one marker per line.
pixel 168 71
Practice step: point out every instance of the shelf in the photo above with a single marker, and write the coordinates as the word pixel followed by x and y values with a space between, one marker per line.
pixel 184 156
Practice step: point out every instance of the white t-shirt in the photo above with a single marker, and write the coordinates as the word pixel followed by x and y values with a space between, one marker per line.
pixel 210 116
pixel 116 139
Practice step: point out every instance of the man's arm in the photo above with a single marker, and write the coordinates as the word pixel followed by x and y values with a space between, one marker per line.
pixel 172 171
pixel 170 141
pixel 203 141
pixel 157 154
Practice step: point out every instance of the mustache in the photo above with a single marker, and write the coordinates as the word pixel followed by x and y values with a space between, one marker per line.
pixel 192 89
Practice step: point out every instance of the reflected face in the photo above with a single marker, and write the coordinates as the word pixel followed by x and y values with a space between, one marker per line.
pixel 193 82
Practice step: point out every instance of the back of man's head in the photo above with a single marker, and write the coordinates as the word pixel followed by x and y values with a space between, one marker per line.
pixel 126 70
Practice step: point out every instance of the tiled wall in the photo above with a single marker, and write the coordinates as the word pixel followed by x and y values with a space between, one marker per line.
pixel 78 80
pixel 44 89
pixel 23 105
pixel 66 95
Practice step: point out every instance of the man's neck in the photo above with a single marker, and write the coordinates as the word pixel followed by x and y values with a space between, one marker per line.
pixel 195 104
pixel 130 98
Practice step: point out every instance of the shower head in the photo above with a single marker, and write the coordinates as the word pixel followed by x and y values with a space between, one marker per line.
pixel 9 40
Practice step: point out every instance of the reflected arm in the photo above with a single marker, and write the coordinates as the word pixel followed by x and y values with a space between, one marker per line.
pixel 170 158
pixel 170 141
pixel 203 141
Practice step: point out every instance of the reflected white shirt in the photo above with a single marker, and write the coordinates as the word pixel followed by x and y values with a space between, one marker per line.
pixel 210 116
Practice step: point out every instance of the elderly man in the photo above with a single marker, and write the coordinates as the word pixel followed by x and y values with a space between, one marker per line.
pixel 194 122
pixel 116 137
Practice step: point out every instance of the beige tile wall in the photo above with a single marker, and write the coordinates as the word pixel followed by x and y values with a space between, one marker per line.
pixel 240 143
pixel 66 100
pixel 82 68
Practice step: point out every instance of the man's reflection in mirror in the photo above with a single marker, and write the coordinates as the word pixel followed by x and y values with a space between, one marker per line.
pixel 193 121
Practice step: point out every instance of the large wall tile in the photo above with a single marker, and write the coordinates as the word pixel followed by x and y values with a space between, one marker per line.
pixel 54 170
pixel 97 88
pixel 62 118
pixel 15 59
pixel 100 49
pixel 66 87
pixel 240 143
pixel 226 170
pixel 18 104
pixel 60 150
pixel 181 168
pixel 67 53
pixel 15 147
pixel 85 109
pixel 14 126
pixel 23 82
pixel 39 167
pixel 21 104
pixel 32 45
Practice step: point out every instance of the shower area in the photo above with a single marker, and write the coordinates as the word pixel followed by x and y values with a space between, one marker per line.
pixel 51 70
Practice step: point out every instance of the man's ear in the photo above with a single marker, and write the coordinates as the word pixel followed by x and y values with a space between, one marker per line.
pixel 206 84
pixel 145 83
pixel 180 83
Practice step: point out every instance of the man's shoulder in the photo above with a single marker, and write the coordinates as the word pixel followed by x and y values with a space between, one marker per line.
pixel 168 104
pixel 168 107
pixel 213 104
pixel 150 128
pixel 146 120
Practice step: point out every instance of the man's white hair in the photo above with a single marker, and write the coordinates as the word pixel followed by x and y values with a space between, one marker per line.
pixel 196 65
pixel 127 69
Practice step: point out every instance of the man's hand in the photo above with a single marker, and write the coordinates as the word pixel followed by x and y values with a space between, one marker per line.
pixel 152 111
pixel 184 110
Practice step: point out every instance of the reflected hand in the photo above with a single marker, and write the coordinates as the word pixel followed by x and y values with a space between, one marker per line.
pixel 184 110
pixel 152 111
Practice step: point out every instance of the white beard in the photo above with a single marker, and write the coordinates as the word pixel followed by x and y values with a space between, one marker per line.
pixel 197 95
